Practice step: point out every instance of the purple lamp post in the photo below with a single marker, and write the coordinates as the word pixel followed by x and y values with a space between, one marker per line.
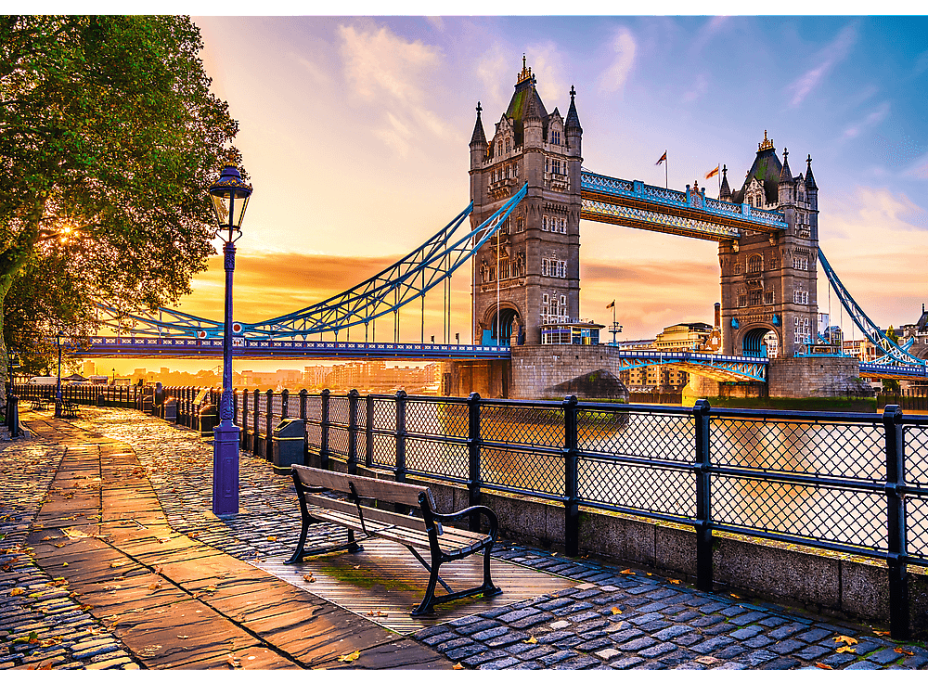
pixel 229 196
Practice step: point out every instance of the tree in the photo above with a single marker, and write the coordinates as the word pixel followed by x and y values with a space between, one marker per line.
pixel 109 140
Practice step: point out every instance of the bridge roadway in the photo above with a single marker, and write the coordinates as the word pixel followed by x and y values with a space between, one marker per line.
pixel 718 367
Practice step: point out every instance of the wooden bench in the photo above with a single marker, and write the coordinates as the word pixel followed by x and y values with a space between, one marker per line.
pixel 344 499
pixel 70 409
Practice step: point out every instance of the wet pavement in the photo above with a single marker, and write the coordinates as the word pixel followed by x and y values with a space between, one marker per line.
pixel 112 559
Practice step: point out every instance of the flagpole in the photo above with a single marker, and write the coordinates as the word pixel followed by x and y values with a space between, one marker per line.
pixel 665 171
pixel 720 179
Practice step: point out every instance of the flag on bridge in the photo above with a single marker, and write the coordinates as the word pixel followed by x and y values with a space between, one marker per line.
pixel 712 173
pixel 663 158
pixel 610 305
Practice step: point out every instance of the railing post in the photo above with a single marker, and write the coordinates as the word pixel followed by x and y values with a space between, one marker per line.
pixel 896 520
pixel 255 420
pixel 244 441
pixel 400 464
pixel 284 403
pixel 473 456
pixel 268 418
pixel 324 430
pixel 571 509
pixel 214 401
pixel 701 467
pixel 303 394
pixel 369 431
pixel 353 403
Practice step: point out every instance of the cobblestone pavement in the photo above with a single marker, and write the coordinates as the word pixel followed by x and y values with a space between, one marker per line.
pixel 617 619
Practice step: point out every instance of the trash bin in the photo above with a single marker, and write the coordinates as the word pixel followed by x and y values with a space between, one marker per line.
pixel 288 446
pixel 170 410
pixel 208 419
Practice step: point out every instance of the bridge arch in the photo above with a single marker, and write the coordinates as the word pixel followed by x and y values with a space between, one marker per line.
pixel 510 321
pixel 760 341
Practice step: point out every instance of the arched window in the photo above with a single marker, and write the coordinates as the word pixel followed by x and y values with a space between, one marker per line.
pixel 499 147
pixel 508 145
pixel 755 264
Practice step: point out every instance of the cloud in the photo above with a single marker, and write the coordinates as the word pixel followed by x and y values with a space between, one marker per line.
pixel 707 32
pixel 389 71
pixel 875 117
pixel 490 70
pixel 319 76
pixel 547 64
pixel 699 89
pixel 614 77
pixel 831 55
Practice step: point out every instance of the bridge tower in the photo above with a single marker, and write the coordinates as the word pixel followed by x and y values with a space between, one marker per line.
pixel 769 283
pixel 529 274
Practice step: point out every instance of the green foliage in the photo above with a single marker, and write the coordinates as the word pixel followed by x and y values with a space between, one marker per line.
pixel 109 140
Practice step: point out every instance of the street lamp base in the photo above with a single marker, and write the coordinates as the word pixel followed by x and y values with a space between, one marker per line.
pixel 225 468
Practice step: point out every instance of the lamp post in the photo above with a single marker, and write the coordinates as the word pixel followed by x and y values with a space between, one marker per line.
pixel 229 196
pixel 58 391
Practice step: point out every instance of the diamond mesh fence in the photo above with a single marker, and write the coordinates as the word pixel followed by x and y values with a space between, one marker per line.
pixel 437 418
pixel 917 518
pixel 338 440
pixel 522 469
pixel 338 410
pixel 384 453
pixel 819 513
pixel 523 425
pixel 658 490
pixel 277 404
pixel 916 454
pixel 800 447
pixel 384 414
pixel 436 457
pixel 635 434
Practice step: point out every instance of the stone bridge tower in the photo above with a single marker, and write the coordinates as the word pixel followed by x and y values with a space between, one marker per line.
pixel 769 283
pixel 531 275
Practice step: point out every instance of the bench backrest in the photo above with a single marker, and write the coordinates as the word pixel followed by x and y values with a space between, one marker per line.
pixel 365 487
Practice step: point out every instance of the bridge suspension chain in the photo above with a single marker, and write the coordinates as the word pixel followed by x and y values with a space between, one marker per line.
pixel 873 333
pixel 409 278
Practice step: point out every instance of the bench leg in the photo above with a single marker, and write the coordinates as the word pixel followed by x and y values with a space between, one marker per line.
pixel 298 555
pixel 353 547
pixel 425 607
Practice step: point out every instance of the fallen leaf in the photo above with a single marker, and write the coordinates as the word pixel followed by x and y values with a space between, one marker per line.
pixel 47 538
pixel 350 657
pixel 458 665
pixel 847 649
pixel 308 578
pixel 707 660
pixel 822 665
pixel 233 662
pixel 60 545
pixel 531 639
pixel 64 564
pixel 272 538
pixel 357 566
pixel 86 608
pixel 850 640
pixel 17 591
pixel 183 637
pixel 736 597
pixel 209 589
pixel 675 581
pixel 553 554
pixel 903 651
pixel 648 573
pixel 626 571
pixel 155 586
pixel 616 611
pixel 49 642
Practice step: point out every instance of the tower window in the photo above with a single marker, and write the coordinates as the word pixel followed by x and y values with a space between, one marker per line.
pixel 755 264
pixel 556 137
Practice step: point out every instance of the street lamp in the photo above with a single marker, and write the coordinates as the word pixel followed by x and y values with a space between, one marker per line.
pixel 58 337
pixel 229 196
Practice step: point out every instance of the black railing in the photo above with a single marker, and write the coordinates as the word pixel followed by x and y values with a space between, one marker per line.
pixel 847 482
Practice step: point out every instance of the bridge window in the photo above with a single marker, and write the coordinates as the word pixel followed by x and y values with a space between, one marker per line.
pixel 742 300
pixel 801 329
pixel 544 223
pixel 504 269
pixel 800 263
pixel 801 297
pixel 768 298
pixel 774 262
pixel 737 268
pixel 499 148
pixel 520 224
pixel 755 264
pixel 754 298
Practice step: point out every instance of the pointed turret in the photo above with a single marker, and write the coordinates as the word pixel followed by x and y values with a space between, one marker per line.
pixel 786 176
pixel 810 180
pixel 572 121
pixel 724 190
pixel 478 138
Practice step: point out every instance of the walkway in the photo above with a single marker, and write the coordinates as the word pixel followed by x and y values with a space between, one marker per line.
pixel 111 558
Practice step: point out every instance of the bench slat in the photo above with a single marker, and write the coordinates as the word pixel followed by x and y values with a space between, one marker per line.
pixel 366 487
pixel 370 514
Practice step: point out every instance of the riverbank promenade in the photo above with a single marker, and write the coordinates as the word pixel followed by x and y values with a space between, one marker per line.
pixel 112 559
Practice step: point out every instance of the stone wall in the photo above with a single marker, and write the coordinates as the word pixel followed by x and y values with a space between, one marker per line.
pixel 537 370
pixel 812 377
pixel 489 378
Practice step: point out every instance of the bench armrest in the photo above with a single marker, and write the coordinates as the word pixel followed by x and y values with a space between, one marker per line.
pixel 466 512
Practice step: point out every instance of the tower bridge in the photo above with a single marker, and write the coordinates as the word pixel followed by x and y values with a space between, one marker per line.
pixel 528 193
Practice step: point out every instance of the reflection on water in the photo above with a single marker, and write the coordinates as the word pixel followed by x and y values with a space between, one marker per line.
pixel 842 515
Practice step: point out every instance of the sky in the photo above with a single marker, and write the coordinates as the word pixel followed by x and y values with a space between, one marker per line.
pixel 355 131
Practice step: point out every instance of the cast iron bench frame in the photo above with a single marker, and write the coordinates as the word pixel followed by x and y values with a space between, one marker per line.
pixel 410 530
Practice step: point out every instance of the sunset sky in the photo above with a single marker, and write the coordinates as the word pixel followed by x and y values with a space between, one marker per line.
pixel 355 134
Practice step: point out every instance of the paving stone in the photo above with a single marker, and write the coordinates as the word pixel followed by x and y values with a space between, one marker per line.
pixel 537 652
pixel 477 627
pixel 579 662
pixel 594 645
pixel 748 618
pixel 758 657
pixel 517 614
pixel 863 664
pixel 626 634
pixel 490 633
pixel 708 620
pixel 455 643
pixel 838 659
pixel 588 593
pixel 637 644
pixel 731 665
pixel 554 604
pixel 785 631
pixel 711 607
pixel 479 658
pixel 781 663
pixel 626 662
pixel 465 651
pixel 915 662
pixel 785 647
pixel 730 652
pixel 553 658
pixel 688 639
pixel 657 650
pixel 885 656
pixel 712 644
pixel 608 653
pixel 811 653
pixel 746 632
pixel 758 641
pixel 501 663
pixel 435 639
pixel 507 639
pixel 653 607
pixel 772 622
pixel 583 617
pixel 813 636
pixel 644 619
